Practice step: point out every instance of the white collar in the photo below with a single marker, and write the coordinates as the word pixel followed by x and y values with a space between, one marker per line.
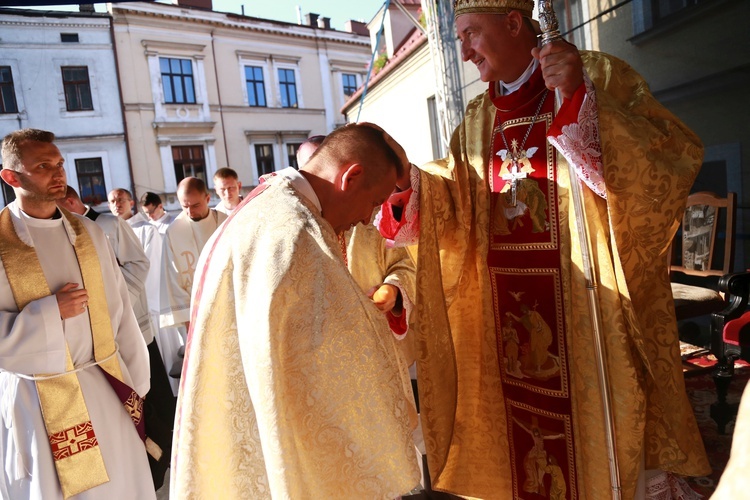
pixel 19 222
pixel 301 184
pixel 508 88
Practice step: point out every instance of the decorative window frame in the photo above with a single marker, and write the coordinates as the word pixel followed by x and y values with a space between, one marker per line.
pixel 280 139
pixel 646 25
pixel 72 173
pixel 165 143
pixel 91 64
pixel 263 61
pixel 198 112
pixel 338 68
pixel 287 62
pixel 18 91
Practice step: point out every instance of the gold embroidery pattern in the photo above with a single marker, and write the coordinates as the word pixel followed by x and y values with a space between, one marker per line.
pixel 134 407
pixel 551 197
pixel 501 312
pixel 73 440
pixel 568 434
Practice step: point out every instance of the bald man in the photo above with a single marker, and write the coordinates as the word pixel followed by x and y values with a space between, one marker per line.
pixel 183 243
pixel 288 376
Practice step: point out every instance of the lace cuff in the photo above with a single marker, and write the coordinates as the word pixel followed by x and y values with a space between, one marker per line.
pixel 405 232
pixel 579 141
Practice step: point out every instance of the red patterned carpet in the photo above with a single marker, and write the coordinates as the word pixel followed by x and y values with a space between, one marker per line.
pixel 702 393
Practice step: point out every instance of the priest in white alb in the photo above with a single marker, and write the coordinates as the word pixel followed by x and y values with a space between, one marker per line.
pixel 73 363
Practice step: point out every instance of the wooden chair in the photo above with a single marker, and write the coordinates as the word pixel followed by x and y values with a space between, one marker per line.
pixel 702 253
pixel 730 331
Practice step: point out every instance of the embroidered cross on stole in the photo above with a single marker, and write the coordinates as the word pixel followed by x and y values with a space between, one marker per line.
pixel 528 288
pixel 74 445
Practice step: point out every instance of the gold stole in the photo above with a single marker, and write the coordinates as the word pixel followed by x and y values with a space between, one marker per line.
pixel 75 449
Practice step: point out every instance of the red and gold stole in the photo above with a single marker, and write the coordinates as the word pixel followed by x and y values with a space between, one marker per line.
pixel 75 449
pixel 524 262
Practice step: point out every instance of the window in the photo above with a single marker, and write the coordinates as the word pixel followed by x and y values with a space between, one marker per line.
pixel 664 8
pixel 291 154
pixel 654 14
pixel 77 88
pixel 350 84
pixel 570 17
pixel 264 158
pixel 177 80
pixel 256 90
pixel 91 180
pixel 7 91
pixel 188 162
pixel 69 37
pixel 288 88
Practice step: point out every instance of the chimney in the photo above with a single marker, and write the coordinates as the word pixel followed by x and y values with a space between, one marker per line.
pixel 311 19
pixel 356 27
pixel 324 23
pixel 86 7
pixel 200 4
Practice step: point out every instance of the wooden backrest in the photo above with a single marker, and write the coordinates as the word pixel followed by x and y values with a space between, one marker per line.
pixel 700 231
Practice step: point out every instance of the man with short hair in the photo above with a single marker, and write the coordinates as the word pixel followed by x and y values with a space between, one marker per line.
pixel 73 363
pixel 130 255
pixel 152 206
pixel 386 275
pixel 227 186
pixel 288 377
pixel 498 240
pixel 168 338
pixel 183 243
pixel 161 406
pixel 307 148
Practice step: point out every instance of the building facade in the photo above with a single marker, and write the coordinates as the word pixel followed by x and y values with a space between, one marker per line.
pixel 204 90
pixel 57 73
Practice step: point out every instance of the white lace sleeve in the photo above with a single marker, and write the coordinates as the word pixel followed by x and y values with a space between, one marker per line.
pixel 409 232
pixel 580 143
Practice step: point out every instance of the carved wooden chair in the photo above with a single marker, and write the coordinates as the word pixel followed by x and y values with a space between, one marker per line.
pixel 730 332
pixel 702 252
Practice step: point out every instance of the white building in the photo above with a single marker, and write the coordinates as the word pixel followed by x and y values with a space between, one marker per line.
pixel 57 73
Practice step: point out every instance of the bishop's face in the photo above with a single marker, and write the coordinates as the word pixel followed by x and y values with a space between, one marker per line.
pixel 491 42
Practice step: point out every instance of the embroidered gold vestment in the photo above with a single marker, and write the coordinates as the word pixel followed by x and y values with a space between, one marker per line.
pixel 503 342
pixel 292 386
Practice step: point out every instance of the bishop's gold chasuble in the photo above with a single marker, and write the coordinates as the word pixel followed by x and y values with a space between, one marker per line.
pixel 507 372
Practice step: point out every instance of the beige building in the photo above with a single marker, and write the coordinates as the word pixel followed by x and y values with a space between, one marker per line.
pixel 204 90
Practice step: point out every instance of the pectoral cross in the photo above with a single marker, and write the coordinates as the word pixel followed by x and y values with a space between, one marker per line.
pixel 515 173
pixel 513 177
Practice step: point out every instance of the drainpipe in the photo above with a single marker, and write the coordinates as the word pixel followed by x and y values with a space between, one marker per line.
pixel 122 109
pixel 221 107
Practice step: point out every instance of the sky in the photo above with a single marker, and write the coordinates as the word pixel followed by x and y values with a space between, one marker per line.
pixel 339 11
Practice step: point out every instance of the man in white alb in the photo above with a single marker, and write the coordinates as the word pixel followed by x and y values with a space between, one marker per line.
pixel 73 363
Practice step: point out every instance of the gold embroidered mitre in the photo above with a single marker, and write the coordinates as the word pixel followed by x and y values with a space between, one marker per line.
pixel 461 7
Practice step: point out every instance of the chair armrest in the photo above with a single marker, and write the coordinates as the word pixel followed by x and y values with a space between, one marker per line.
pixel 736 287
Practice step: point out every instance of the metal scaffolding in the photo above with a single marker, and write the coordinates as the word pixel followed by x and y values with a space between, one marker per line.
pixel 441 37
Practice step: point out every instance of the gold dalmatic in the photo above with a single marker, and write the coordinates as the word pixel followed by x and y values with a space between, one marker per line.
pixel 73 443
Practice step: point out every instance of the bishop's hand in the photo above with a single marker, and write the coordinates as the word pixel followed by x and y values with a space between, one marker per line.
pixel 562 66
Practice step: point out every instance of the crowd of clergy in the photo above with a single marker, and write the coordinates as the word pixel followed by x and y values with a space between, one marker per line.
pixel 261 348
